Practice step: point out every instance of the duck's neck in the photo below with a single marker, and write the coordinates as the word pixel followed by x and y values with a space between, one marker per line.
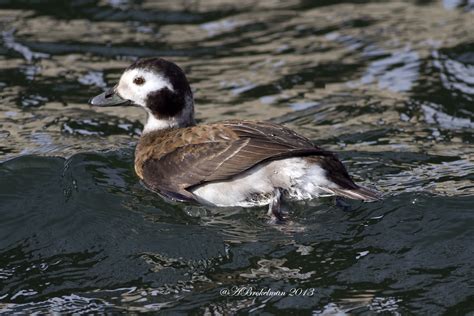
pixel 182 119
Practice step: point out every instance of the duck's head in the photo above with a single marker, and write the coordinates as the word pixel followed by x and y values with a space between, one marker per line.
pixel 157 85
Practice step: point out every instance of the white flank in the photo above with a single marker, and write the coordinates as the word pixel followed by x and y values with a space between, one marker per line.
pixel 300 179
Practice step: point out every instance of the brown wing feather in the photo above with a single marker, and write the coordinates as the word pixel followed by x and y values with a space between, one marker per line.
pixel 274 133
pixel 235 146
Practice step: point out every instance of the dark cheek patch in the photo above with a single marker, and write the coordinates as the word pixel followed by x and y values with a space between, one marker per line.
pixel 165 103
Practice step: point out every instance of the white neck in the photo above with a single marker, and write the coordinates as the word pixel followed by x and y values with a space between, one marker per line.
pixel 154 124
pixel 182 119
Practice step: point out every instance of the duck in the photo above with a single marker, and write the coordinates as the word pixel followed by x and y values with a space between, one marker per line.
pixel 224 164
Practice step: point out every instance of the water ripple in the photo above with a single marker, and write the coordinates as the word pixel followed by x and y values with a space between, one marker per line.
pixel 387 85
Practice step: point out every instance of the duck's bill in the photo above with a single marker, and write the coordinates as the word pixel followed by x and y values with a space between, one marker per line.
pixel 109 98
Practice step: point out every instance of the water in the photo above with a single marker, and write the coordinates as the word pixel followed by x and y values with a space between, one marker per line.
pixel 389 86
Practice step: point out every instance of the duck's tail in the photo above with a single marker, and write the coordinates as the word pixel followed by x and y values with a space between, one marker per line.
pixel 360 193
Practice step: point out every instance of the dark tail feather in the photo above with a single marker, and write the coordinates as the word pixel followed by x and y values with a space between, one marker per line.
pixel 360 193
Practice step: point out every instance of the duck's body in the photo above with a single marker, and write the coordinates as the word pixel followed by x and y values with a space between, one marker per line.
pixel 230 163
pixel 238 163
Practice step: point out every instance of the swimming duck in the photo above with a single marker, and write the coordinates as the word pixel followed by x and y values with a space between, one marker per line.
pixel 228 163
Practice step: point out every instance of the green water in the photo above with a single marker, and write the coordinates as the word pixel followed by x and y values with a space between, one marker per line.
pixel 389 86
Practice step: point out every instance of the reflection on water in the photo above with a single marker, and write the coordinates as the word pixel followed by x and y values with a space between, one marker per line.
pixel 387 85
pixel 397 72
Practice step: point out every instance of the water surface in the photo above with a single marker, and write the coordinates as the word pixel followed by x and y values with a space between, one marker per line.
pixel 389 86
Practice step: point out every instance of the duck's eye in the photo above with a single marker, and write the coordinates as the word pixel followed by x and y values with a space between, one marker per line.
pixel 139 81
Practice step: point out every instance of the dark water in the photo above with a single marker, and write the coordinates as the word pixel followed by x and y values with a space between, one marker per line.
pixel 387 85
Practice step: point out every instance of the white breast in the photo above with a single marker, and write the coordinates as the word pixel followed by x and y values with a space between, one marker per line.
pixel 298 179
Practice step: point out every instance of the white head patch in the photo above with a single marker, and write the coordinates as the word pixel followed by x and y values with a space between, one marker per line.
pixel 137 93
